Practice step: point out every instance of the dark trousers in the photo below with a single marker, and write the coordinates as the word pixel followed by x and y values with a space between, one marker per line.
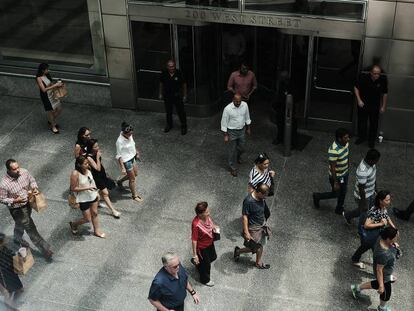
pixel 360 207
pixel 340 194
pixel 409 210
pixel 206 257
pixel 24 222
pixel 170 102
pixel 237 140
pixel 364 116
pixel 364 247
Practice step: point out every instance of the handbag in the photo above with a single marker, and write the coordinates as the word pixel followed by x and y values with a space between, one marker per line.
pixel 72 201
pixel 38 202
pixel 22 265
pixel 60 92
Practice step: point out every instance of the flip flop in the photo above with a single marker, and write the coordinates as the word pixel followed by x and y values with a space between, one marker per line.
pixel 262 266
pixel 137 198
pixel 102 235
pixel 236 254
pixel 73 229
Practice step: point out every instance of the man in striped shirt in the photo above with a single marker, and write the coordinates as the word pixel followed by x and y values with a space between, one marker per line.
pixel 338 155
pixel 365 185
pixel 14 192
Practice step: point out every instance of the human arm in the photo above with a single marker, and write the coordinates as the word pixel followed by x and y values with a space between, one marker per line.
pixel 246 228
pixel 391 223
pixel 254 85
pixel 380 278
pixel 384 99
pixel 184 92
pixel 44 88
pixel 358 96
pixel 247 120
pixel 77 151
pixel 161 91
pixel 8 200
pixel 119 157
pixel 96 165
pixel 193 293
pixel 224 123
pixel 370 224
pixel 332 168
pixel 194 248
pixel 230 84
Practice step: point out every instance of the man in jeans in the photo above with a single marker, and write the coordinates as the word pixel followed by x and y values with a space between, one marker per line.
pixel 14 192
pixel 338 155
pixel 365 185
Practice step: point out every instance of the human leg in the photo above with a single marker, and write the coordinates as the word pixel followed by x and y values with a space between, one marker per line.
pixel 343 186
pixel 362 125
pixel 95 221
pixel 373 117
pixel 317 196
pixel 169 111
pixel 241 141
pixel 105 195
pixel 404 214
pixel 364 247
pixel 179 106
pixel 232 153
pixel 132 183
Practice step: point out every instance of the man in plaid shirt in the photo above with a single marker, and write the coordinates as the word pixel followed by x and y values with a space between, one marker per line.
pixel 14 192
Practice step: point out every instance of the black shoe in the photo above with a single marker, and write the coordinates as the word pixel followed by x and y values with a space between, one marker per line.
pixel 359 141
pixel 270 194
pixel 400 214
pixel 315 201
pixel 48 254
pixel 339 212
pixel 348 221
pixel 22 243
pixel 183 130
pixel 167 129
pixel 236 254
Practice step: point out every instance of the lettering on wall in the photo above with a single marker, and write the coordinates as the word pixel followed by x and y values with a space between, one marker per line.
pixel 244 19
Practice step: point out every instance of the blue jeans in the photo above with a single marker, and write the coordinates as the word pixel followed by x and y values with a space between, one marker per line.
pixel 237 139
pixel 340 194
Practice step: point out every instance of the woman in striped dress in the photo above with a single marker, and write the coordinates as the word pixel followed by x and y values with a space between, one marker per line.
pixel 261 173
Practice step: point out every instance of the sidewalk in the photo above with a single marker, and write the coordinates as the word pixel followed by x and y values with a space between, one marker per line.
pixel 309 251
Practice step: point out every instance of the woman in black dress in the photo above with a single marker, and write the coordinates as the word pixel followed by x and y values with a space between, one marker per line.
pixel 99 175
pixel 10 284
pixel 51 104
pixel 84 135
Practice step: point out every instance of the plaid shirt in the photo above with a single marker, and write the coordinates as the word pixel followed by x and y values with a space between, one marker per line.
pixel 11 188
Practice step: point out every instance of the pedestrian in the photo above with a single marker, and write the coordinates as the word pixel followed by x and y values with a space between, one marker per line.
pixel 15 188
pixel 202 237
pixel 102 181
pixel 84 135
pixel 52 105
pixel 170 285
pixel 338 156
pixel 371 93
pixel 83 186
pixel 371 224
pixel 385 254
pixel 261 173
pixel 404 214
pixel 243 82
pixel 235 122
pixel 365 185
pixel 10 284
pixel 173 89
pixel 127 154
pixel 255 230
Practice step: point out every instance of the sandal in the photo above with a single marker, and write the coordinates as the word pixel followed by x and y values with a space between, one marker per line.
pixel 73 229
pixel 137 198
pixel 102 235
pixel 56 130
pixel 263 266
pixel 236 254
pixel 116 214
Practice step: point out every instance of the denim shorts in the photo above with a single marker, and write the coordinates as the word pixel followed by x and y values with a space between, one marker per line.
pixel 129 165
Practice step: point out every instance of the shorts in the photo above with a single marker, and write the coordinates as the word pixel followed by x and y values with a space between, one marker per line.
pixel 386 295
pixel 83 206
pixel 129 165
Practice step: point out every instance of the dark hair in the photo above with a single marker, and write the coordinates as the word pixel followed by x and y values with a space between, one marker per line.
pixel 126 128
pixel 381 195
pixel 90 144
pixel 78 163
pixel 388 233
pixel 372 155
pixel 82 132
pixel 341 132
pixel 9 162
pixel 261 187
pixel 261 158
pixel 201 207
pixel 41 70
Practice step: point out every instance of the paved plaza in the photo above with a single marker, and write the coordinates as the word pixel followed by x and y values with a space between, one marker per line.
pixel 309 251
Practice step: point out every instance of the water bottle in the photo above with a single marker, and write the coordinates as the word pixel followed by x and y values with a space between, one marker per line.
pixel 380 137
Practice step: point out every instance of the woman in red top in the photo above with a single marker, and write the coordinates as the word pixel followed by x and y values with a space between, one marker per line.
pixel 202 237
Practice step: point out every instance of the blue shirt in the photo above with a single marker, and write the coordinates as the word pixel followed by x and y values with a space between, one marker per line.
pixel 168 290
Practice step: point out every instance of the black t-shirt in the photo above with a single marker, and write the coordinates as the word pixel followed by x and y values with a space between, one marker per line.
pixel 172 84
pixel 371 91
pixel 254 210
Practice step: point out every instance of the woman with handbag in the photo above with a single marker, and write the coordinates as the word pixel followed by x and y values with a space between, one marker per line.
pixel 203 232
pixel 260 173
pixel 371 224
pixel 99 175
pixel 84 187
pixel 51 104
pixel 84 135
pixel 10 284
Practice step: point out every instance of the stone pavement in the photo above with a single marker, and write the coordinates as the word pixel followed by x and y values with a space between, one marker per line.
pixel 309 251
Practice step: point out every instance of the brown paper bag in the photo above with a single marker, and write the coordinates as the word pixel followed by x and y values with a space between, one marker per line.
pixel 72 201
pixel 60 92
pixel 22 265
pixel 38 202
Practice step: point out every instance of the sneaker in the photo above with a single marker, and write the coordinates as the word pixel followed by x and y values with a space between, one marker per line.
pixel 360 265
pixel 102 205
pixel 386 308
pixel 210 284
pixel 116 214
pixel 315 200
pixel 355 291
pixel 348 221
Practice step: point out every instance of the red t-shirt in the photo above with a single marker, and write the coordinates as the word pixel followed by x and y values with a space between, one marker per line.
pixel 202 232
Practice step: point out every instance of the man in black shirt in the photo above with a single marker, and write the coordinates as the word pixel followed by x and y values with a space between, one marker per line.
pixel 173 89
pixel 371 93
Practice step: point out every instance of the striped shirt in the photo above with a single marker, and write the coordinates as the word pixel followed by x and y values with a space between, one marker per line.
pixel 365 175
pixel 11 188
pixel 339 154
pixel 255 177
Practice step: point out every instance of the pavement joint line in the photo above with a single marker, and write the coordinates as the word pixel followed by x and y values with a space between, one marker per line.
pixel 63 304
pixel 15 127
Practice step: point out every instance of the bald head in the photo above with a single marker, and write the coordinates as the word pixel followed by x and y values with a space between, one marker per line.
pixel 237 99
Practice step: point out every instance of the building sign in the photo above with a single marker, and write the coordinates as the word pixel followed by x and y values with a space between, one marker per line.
pixel 242 18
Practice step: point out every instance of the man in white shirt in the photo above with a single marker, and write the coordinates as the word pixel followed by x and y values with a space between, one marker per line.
pixel 234 123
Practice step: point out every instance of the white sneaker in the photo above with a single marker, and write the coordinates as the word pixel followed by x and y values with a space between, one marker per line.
pixel 209 284
pixel 360 265
pixel 102 205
